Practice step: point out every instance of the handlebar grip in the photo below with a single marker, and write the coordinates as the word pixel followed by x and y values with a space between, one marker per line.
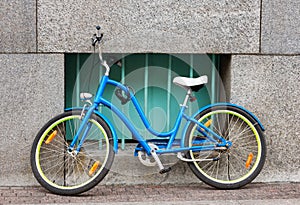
pixel 96 38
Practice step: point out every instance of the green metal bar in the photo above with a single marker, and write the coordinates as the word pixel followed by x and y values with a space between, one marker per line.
pixel 146 85
pixel 191 65
pixel 123 110
pixel 169 92
pixel 78 81
pixel 100 76
pixel 218 81
pixel 213 79
pixel 213 85
pixel 191 75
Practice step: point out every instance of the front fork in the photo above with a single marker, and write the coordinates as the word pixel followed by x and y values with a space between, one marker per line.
pixel 84 128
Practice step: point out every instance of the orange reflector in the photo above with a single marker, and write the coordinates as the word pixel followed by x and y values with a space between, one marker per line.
pixel 249 160
pixel 94 167
pixel 207 124
pixel 51 137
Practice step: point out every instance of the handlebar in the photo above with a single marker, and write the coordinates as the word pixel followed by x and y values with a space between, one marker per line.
pixel 96 39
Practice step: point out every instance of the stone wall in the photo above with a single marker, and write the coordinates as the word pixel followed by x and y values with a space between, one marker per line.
pixel 32 92
pixel 269 86
pixel 262 37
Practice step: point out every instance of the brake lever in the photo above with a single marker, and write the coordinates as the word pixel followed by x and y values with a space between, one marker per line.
pixel 97 37
pixel 94 40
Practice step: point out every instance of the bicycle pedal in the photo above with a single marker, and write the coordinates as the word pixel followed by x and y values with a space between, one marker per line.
pixel 165 170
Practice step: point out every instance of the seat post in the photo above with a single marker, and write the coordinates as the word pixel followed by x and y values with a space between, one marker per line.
pixel 188 94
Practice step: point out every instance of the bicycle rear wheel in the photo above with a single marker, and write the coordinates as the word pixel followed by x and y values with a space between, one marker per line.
pixel 63 172
pixel 234 167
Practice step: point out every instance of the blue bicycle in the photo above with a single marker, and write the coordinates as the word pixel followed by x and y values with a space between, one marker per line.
pixel 222 143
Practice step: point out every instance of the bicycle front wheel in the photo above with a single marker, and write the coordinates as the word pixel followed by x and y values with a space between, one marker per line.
pixel 233 167
pixel 64 172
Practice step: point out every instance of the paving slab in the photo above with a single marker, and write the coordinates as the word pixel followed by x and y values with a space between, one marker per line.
pixel 255 193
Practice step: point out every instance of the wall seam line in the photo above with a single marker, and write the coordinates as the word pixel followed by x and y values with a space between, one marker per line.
pixel 36 25
pixel 260 27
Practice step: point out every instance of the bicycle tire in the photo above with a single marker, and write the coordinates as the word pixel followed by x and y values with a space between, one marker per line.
pixel 238 165
pixel 61 172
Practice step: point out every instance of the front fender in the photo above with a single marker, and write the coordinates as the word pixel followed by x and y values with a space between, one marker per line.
pixel 111 127
pixel 219 104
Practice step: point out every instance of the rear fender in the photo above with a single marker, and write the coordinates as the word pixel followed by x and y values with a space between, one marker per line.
pixel 220 104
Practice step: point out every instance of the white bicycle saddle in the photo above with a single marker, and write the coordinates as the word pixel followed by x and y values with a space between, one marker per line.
pixel 191 83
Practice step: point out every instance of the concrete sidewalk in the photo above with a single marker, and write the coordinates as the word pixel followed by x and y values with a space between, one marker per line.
pixel 255 193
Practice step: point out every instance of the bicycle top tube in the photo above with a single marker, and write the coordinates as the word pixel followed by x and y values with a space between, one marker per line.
pixel 100 100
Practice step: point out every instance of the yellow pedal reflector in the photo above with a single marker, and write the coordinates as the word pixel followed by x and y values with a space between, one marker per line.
pixel 249 160
pixel 51 137
pixel 94 167
pixel 207 124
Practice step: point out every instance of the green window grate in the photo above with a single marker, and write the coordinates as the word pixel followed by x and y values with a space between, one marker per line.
pixel 150 75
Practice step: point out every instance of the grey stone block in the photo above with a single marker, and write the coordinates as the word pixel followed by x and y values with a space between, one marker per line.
pixel 32 91
pixel 17 26
pixel 281 27
pixel 269 86
pixel 150 26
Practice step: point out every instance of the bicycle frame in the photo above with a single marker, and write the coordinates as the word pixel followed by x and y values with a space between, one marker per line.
pixel 171 134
